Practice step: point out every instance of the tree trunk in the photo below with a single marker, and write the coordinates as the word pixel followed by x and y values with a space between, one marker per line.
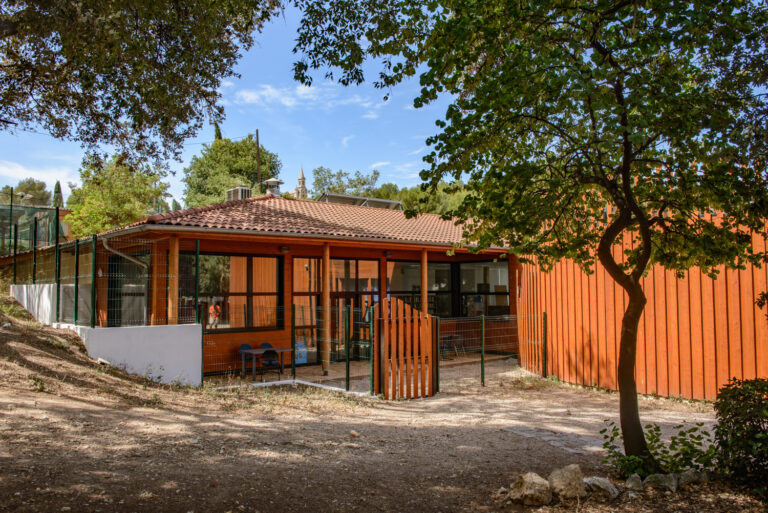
pixel 631 427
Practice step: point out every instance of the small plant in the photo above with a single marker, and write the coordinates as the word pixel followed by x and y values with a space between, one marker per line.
pixel 690 449
pixel 56 343
pixel 741 432
pixel 38 385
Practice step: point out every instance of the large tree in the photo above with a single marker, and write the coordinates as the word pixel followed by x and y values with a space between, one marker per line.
pixel 225 164
pixel 341 182
pixel 139 75
pixel 114 193
pixel 58 198
pixel 580 125
pixel 27 192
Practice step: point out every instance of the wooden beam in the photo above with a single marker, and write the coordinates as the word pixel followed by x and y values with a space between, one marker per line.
pixel 173 281
pixel 325 343
pixel 513 267
pixel 424 291
pixel 159 301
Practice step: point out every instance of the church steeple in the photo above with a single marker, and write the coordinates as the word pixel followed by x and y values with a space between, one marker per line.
pixel 301 190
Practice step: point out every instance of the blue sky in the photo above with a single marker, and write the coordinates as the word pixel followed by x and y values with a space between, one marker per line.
pixel 327 124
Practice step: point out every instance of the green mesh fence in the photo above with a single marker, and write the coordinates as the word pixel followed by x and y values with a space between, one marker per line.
pixel 477 351
pixel 35 225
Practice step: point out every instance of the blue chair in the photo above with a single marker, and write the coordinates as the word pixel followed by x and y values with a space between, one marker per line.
pixel 270 361
pixel 246 347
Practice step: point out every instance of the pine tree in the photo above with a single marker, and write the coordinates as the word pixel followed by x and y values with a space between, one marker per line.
pixel 58 199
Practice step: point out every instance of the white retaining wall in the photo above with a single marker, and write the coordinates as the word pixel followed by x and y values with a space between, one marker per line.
pixel 169 354
pixel 39 300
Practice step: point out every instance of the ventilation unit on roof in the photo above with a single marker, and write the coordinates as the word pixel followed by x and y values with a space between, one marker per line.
pixel 238 193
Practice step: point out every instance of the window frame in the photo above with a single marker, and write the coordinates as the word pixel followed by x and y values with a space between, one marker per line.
pixel 248 294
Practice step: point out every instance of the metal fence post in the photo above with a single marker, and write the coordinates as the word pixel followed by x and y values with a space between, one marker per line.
pixel 437 353
pixel 346 345
pixel 58 267
pixel 10 221
pixel 15 245
pixel 482 350
pixel 93 281
pixel 34 250
pixel 197 281
pixel 77 280
pixel 198 319
pixel 372 338
pixel 293 341
pixel 544 344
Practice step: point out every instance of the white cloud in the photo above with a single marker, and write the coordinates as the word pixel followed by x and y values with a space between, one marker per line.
pixel 416 152
pixel 324 96
pixel 371 115
pixel 345 140
pixel 49 175
pixel 267 95
pixel 379 164
pixel 227 83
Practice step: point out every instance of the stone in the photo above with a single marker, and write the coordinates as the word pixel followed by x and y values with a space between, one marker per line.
pixel 530 489
pixel 662 481
pixel 690 477
pixel 601 486
pixel 568 482
pixel 354 434
pixel 634 483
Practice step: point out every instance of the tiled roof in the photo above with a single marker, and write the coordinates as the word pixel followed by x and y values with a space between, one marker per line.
pixel 281 216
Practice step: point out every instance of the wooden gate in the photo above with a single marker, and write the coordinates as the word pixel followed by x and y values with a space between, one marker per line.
pixel 405 367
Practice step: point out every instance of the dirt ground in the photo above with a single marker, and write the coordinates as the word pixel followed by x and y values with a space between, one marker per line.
pixel 76 436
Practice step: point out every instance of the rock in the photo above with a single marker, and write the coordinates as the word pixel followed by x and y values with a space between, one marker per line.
pixel 690 477
pixel 634 483
pixel 6 325
pixel 568 482
pixel 662 481
pixel 530 489
pixel 602 486
pixel 354 434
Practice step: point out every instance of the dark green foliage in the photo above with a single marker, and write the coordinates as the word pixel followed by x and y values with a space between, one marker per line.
pixel 175 205
pixel 114 193
pixel 341 182
pixel 139 76
pixel 741 433
pixel 58 199
pixel 690 449
pixel 225 164
pixel 34 191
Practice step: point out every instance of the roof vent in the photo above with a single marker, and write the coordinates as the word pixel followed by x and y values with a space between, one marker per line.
pixel 238 193
pixel 273 186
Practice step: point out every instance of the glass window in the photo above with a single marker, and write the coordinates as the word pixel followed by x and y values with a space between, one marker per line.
pixel 484 288
pixel 236 292
pixel 306 275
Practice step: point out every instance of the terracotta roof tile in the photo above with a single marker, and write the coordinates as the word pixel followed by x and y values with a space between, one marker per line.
pixel 271 214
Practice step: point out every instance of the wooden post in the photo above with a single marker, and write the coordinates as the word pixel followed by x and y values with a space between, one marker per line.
pixel 424 291
pixel 159 304
pixel 325 343
pixel 512 266
pixel 173 281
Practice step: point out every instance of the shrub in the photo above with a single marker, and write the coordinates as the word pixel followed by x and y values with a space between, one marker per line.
pixel 741 433
pixel 690 449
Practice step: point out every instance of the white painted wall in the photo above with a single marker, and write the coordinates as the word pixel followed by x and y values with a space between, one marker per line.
pixel 38 299
pixel 169 354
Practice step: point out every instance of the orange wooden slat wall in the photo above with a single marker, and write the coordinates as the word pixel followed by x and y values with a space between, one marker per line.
pixel 696 332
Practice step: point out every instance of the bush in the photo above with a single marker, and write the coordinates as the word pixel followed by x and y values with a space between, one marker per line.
pixel 741 433
pixel 690 449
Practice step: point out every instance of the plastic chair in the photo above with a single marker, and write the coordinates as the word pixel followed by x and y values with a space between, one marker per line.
pixel 246 347
pixel 270 360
